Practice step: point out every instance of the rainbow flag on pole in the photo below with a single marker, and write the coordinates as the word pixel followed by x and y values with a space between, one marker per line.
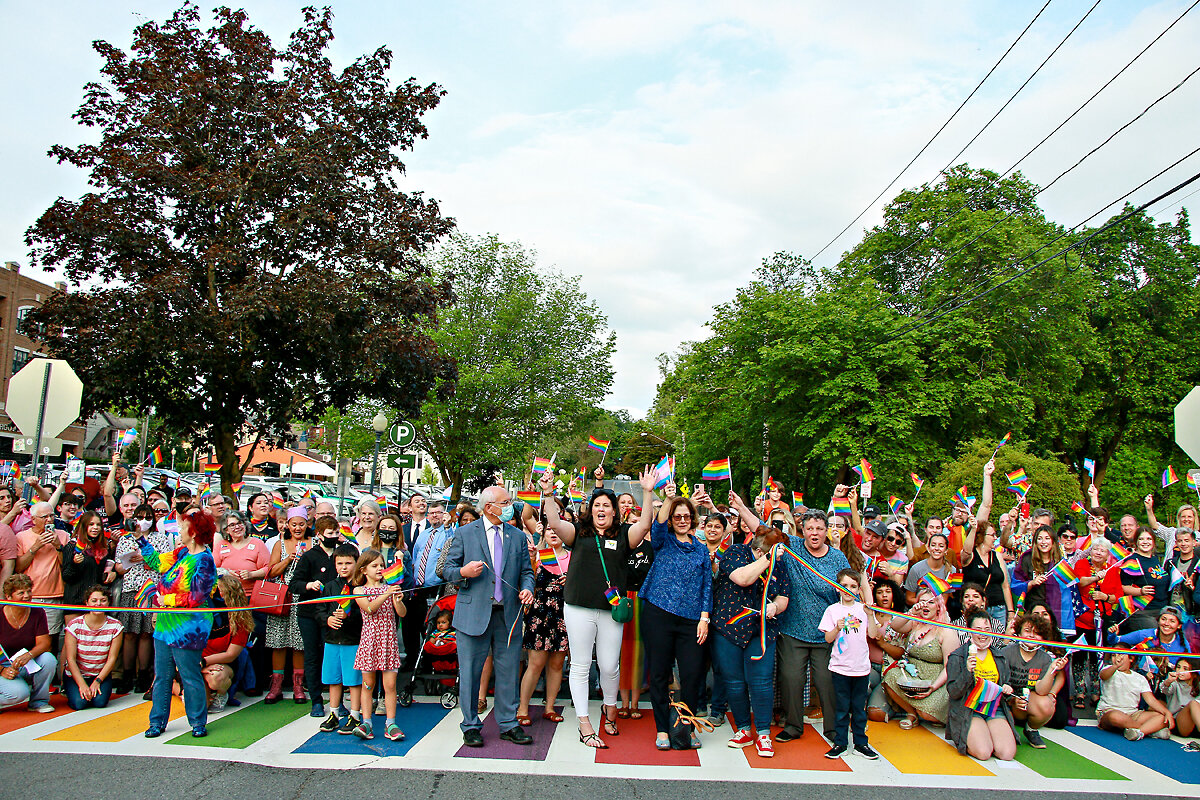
pixel 1131 605
pixel 540 465
pixel 1063 573
pixel 156 457
pixel 533 499
pixel 1016 476
pixel 842 507
pixel 1169 477
pixel 1191 482
pixel 797 499
pixel 984 698
pixel 917 480
pixel 961 496
pixel 896 505
pixel 546 557
pixel 599 445
pixel 864 469
pixel 210 469
pixel 128 437
pixel 716 470
pixel 395 573
pixel 1119 551
pixel 938 586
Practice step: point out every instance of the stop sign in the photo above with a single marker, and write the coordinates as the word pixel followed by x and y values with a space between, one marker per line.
pixel 1187 424
pixel 62 399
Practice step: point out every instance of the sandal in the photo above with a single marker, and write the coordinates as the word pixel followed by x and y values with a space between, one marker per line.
pixel 623 713
pixel 592 740
pixel 610 725
pixel 523 720
pixel 552 716
pixel 1079 701
pixel 908 723
pixel 663 743
pixel 635 714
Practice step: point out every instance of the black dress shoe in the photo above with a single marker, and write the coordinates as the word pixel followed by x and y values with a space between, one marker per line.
pixel 474 738
pixel 517 735
pixel 786 736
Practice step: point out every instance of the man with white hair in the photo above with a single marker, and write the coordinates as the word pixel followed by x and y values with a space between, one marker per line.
pixel 40 557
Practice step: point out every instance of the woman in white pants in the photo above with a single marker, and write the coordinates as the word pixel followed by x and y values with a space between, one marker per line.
pixel 587 611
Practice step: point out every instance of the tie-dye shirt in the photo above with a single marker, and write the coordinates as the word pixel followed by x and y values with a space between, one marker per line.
pixel 185 581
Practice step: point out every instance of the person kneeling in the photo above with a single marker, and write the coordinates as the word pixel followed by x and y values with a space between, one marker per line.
pixel 91 649
pixel 1035 676
pixel 980 722
pixel 1121 689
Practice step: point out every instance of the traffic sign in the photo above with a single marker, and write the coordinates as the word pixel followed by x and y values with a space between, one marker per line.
pixel 50 447
pixel 402 461
pixel 1187 424
pixel 403 434
pixel 63 395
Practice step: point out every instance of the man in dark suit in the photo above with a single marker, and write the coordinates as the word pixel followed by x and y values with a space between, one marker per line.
pixel 490 559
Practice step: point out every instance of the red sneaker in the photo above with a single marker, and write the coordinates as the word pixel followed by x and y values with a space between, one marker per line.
pixel 764 747
pixel 741 739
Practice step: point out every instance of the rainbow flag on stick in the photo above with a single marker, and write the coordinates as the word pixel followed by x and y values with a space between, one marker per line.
pixel 1016 476
pixel 1169 477
pixel 1191 482
pixel 346 603
pixel 540 465
pixel 984 698
pixel 1131 605
pixel 1133 568
pixel 210 469
pixel 716 470
pixel 864 469
pixel 724 545
pixel 797 499
pixel 547 557
pixel 533 499
pixel 1063 574
pixel 237 487
pixel 395 573
pixel 128 437
pixel 961 496
pixel 896 505
pixel 935 584
pixel 1119 551
pixel 599 445
pixel 613 596
pixel 1020 489
pixel 576 495
pixel 156 457
pixel 1007 438
pixel 277 501
pixel 955 580
pixel 842 507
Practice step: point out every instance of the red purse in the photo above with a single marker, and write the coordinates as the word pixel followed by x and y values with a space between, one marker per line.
pixel 271 597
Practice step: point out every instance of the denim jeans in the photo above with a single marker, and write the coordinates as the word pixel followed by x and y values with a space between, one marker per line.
pixel 195 694
pixel 998 613
pixel 851 693
pixel 26 688
pixel 75 699
pixel 718 702
pixel 749 684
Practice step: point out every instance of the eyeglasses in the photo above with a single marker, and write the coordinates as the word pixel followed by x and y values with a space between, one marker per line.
pixel 681 517
pixel 143 516
pixel 1067 536
pixel 233 523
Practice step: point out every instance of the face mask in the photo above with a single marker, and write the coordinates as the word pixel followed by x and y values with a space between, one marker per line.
pixel 1028 648
pixel 507 514
pixel 330 541
pixel 181 507
pixel 143 525
pixel 388 536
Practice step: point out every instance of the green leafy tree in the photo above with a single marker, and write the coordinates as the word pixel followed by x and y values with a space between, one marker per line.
pixel 533 355
pixel 254 259
pixel 348 433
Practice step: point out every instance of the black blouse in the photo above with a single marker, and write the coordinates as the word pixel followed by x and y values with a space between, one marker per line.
pixel 585 579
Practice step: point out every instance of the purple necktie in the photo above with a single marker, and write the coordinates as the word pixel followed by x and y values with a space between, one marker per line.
pixel 497 562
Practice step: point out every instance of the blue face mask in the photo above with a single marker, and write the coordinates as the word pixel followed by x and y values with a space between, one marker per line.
pixel 507 514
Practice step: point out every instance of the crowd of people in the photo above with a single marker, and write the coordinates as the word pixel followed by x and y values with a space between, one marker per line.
pixel 762 614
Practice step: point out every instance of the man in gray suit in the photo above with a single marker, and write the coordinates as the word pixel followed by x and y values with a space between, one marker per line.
pixel 490 560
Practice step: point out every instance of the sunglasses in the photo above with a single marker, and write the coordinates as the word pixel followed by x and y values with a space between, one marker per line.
pixel 895 541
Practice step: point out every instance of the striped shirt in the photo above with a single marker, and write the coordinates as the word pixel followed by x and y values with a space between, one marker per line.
pixel 92 646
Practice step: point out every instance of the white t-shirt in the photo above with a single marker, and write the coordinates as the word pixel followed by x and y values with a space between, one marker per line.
pixel 1122 692
pixel 849 655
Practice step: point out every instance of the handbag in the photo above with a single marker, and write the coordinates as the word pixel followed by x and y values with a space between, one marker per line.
pixel 271 597
pixel 622 609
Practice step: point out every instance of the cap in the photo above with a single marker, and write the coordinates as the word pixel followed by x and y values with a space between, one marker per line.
pixel 877 527
pixel 870 511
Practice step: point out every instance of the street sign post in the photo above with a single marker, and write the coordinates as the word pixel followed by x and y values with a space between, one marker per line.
pixel 43 399
pixel 1187 424
pixel 402 434
pixel 402 460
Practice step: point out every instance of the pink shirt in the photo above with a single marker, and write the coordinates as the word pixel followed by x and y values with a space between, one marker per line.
pixel 8 543
pixel 849 655
pixel 255 555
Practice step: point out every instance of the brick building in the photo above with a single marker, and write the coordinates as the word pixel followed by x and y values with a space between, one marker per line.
pixel 18 294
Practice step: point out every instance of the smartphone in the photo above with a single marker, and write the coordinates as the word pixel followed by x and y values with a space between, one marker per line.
pixel 1025 509
pixel 696 488
pixel 777 524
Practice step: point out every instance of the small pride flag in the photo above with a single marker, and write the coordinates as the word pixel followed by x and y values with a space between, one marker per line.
pixel 1169 477
pixel 128 437
pixel 1007 438
pixel 955 580
pixel 1119 551
pixel 237 487
pixel 1016 476
pixel 741 615
pixel 276 501
pixel 1020 489
pixel 864 469
pixel 613 596
pixel 210 469
pixel 345 529
pixel 935 584
pixel 1063 574
pixel 1133 568
pixel 381 501
pixel 576 495
pixel 797 499
pixel 155 457
pixel 170 523
pixel 918 481
pixel 540 465
pixel 547 557
pixel 1089 466
pixel 16 471
pixel 348 602
pixel 896 505
pixel 961 496
pixel 1191 482
pixel 664 471
pixel 724 545
pixel 395 573
pixel 599 445
pixel 842 507
pixel 1131 605
pixel 716 470
pixel 1077 506
pixel 984 698
pixel 533 499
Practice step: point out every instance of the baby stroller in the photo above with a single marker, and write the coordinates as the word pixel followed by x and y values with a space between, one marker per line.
pixel 437 663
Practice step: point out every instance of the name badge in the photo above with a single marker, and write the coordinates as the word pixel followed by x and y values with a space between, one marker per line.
pixel 610 544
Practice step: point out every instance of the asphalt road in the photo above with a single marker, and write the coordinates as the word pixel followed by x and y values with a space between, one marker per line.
pixel 52 776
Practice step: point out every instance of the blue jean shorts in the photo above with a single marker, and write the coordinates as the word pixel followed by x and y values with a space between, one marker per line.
pixel 337 667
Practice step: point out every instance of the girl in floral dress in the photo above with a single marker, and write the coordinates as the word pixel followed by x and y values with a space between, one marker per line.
pixel 380 605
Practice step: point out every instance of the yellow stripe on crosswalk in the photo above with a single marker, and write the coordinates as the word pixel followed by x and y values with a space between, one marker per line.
pixel 115 727
pixel 920 752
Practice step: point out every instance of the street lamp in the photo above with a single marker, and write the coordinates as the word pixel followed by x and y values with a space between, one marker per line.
pixel 172 459
pixel 379 424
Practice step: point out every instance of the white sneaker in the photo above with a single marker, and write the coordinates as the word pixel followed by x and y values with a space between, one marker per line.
pixel 219 701
pixel 1165 733
pixel 380 708
pixel 764 747
pixel 1133 734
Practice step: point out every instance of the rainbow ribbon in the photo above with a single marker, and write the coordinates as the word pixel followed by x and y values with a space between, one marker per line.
pixel 741 615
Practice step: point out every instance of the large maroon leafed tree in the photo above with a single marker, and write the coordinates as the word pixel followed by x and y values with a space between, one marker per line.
pixel 253 257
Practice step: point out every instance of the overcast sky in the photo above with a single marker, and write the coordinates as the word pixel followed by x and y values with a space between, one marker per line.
pixel 663 149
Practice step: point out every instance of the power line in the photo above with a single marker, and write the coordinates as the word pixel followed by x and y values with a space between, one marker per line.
pixel 935 135
pixel 1012 213
pixel 1073 246
pixel 1047 137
